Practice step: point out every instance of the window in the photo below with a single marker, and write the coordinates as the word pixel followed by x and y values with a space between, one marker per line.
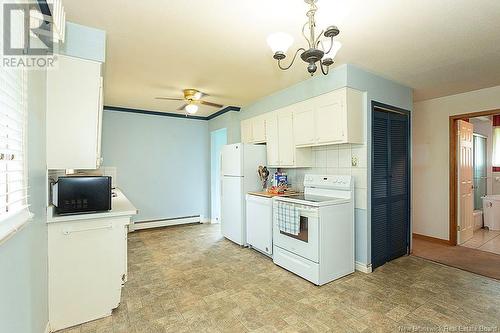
pixel 13 192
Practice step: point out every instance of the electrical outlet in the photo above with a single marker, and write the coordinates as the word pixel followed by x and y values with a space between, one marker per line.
pixel 354 161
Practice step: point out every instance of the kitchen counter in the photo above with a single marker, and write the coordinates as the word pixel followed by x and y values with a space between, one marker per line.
pixel 120 205
pixel 271 195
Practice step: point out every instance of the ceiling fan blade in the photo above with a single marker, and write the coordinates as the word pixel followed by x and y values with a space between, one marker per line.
pixel 170 98
pixel 182 107
pixel 215 105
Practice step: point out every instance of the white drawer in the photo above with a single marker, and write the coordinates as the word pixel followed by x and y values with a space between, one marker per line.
pixel 302 267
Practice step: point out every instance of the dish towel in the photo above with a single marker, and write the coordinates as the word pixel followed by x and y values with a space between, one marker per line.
pixel 288 218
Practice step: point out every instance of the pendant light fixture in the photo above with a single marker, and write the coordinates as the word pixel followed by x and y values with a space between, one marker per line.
pixel 316 52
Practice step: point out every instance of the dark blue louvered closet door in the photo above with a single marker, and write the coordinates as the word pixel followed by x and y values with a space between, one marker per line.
pixel 390 214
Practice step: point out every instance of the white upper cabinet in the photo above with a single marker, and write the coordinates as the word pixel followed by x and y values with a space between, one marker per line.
pixel 304 115
pixel 273 157
pixel 259 129
pixel 253 130
pixel 332 118
pixel 246 131
pixel 285 138
pixel 281 150
pixel 74 114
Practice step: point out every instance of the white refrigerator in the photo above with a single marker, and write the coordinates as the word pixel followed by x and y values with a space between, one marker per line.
pixel 239 169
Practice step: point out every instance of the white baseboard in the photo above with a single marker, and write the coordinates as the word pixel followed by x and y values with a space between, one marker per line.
pixel 205 220
pixel 165 223
pixel 47 328
pixel 363 267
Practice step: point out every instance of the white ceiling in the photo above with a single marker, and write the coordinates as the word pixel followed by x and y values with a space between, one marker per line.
pixel 157 48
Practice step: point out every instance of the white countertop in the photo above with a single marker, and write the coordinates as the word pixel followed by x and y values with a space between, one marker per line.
pixel 120 205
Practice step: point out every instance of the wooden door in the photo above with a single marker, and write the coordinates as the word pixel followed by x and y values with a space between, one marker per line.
pixel 465 155
pixel 272 139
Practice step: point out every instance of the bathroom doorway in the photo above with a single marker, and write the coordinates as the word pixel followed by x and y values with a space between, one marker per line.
pixel 474 196
pixel 485 185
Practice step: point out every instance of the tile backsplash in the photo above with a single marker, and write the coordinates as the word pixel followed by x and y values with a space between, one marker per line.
pixel 346 159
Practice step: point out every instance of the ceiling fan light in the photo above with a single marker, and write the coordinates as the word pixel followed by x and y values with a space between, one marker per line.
pixel 191 108
pixel 279 42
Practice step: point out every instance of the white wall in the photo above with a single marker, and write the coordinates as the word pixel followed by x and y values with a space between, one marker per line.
pixel 431 156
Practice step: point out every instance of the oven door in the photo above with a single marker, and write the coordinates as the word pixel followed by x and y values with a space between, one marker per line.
pixel 306 243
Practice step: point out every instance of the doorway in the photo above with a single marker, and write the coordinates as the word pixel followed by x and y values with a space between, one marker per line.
pixel 474 241
pixel 218 139
pixel 390 184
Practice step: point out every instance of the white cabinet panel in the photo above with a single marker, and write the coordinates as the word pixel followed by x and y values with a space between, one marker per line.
pixel 330 119
pixel 259 129
pixel 304 124
pixel 273 158
pixel 74 110
pixel 85 269
pixel 285 138
pixel 246 131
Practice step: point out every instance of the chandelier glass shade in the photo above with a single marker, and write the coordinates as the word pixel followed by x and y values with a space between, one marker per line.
pixel 321 48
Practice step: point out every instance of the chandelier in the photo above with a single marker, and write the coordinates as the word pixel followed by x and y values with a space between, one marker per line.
pixel 316 52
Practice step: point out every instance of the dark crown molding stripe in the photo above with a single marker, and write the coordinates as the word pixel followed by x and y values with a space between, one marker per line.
pixel 169 114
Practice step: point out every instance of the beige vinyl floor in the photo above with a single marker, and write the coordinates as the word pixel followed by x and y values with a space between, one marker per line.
pixel 190 279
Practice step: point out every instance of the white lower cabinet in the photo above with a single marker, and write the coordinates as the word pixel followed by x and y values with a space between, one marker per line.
pixel 87 266
pixel 259 221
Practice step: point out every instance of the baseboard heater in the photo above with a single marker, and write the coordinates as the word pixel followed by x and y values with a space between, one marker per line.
pixel 140 225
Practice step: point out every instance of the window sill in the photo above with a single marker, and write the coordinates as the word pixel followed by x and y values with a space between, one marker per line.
pixel 10 224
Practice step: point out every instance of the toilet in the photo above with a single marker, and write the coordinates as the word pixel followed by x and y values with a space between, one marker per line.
pixel 491 211
pixel 478 219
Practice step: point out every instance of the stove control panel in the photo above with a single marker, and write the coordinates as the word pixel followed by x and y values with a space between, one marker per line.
pixel 328 181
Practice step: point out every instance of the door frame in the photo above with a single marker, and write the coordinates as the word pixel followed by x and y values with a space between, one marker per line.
pixel 389 108
pixel 453 170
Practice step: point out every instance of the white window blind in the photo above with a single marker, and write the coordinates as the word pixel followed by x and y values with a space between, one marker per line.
pixel 13 114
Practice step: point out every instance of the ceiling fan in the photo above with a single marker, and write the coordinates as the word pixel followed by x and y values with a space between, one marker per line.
pixel 192 98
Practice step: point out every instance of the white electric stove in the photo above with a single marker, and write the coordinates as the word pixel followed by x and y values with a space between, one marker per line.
pixel 324 248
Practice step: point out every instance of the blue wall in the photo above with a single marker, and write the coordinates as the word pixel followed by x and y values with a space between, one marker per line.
pixel 163 163
pixel 23 257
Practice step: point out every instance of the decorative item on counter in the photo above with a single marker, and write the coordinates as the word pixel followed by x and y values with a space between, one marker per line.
pixel 263 175
pixel 277 189
pixel 280 178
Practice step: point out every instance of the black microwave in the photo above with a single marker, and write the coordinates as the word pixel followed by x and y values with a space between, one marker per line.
pixel 82 194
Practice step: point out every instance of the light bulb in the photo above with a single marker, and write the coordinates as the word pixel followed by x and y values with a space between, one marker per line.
pixel 279 42
pixel 333 52
pixel 191 108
